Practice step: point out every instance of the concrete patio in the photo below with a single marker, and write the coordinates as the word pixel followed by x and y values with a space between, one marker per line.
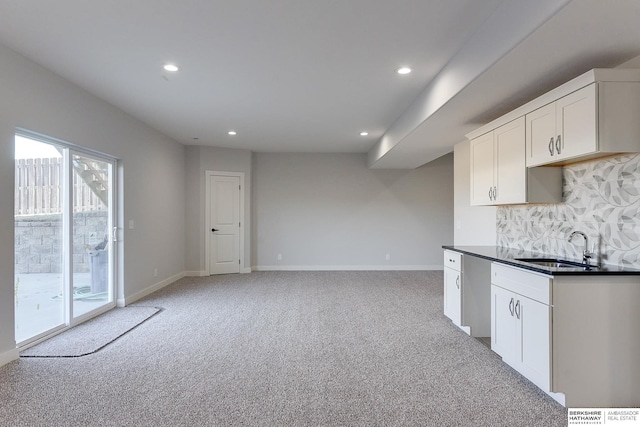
pixel 39 304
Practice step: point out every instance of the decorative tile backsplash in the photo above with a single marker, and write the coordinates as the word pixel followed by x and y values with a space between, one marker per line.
pixel 600 198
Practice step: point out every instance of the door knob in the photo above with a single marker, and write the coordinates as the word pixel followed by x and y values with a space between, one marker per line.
pixel 214 229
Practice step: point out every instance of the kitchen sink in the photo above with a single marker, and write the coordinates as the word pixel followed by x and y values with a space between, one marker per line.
pixel 557 263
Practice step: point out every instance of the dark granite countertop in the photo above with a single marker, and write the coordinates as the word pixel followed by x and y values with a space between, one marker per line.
pixel 508 256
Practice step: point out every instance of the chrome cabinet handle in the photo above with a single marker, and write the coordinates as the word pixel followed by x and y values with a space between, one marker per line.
pixel 551 146
pixel 495 191
pixel 458 282
pixel 511 306
pixel 518 309
pixel 558 145
pixel 490 196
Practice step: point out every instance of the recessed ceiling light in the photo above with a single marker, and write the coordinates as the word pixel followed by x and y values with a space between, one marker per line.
pixel 403 70
pixel 171 67
pixel 232 133
pixel 364 133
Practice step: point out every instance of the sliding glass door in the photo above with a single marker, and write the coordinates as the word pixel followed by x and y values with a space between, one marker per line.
pixel 92 225
pixel 64 248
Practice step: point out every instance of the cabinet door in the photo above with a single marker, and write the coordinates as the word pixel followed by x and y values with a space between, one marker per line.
pixel 533 334
pixel 511 170
pixel 503 323
pixel 541 135
pixel 482 170
pixel 453 295
pixel 576 119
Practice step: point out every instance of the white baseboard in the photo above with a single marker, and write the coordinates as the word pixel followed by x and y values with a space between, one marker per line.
pixel 123 302
pixel 9 356
pixel 195 273
pixel 346 267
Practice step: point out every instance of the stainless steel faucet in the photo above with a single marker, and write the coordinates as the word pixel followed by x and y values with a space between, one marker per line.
pixel 586 254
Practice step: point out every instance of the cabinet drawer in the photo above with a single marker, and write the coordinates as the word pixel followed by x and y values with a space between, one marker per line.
pixel 453 260
pixel 529 284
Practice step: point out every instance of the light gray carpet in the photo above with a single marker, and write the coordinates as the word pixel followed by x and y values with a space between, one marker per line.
pixel 92 335
pixel 283 349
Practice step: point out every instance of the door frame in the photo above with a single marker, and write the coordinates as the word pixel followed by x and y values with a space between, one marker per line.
pixel 207 217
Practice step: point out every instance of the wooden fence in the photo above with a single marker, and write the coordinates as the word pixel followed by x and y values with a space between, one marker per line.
pixel 39 189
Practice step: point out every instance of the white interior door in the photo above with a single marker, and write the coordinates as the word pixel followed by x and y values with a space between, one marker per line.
pixel 224 233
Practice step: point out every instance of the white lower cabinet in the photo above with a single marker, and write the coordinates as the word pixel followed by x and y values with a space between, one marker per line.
pixel 521 334
pixel 521 322
pixel 466 292
pixel 453 287
pixel 453 295
pixel 503 325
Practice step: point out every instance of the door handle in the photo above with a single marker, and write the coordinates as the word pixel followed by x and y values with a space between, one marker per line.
pixel 558 145
pixel 551 146
pixel 458 282
pixel 518 309
pixel 511 306
pixel 214 229
pixel 490 196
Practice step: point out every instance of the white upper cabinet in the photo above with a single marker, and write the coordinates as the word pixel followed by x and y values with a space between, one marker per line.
pixel 510 171
pixel 564 129
pixel 576 121
pixel 483 169
pixel 594 115
pixel 499 174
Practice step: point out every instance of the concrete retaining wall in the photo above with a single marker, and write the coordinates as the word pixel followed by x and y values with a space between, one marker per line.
pixel 38 241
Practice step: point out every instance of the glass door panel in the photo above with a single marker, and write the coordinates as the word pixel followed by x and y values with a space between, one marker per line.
pixel 39 239
pixel 92 258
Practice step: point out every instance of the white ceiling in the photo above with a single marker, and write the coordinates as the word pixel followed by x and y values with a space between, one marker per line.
pixel 308 76
pixel 582 35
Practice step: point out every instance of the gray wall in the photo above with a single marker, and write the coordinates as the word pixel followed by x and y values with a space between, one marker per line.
pixel 198 160
pixel 323 211
pixel 152 169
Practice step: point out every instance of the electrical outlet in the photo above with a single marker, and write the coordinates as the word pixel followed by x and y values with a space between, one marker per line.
pixel 155 272
pixel 279 257
pixel 388 257
pixel 132 225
